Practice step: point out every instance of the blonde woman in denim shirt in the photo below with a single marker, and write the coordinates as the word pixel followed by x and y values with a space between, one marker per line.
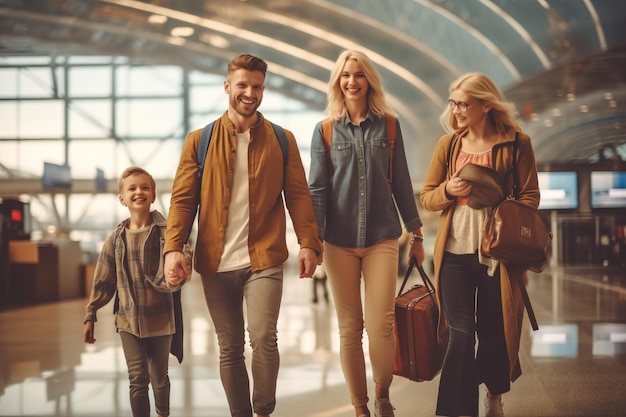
pixel 356 208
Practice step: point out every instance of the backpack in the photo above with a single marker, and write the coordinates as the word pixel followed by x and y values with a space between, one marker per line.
pixel 327 133
pixel 205 140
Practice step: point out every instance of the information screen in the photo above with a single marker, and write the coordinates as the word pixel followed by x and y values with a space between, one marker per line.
pixel 559 190
pixel 608 189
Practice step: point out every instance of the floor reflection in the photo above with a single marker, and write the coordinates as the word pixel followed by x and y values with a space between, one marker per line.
pixel 574 365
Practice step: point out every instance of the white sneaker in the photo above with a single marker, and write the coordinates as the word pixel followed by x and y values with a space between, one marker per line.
pixel 383 408
pixel 494 406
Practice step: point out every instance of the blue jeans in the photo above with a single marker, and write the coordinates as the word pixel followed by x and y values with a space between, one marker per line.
pixel 262 293
pixel 147 362
pixel 472 304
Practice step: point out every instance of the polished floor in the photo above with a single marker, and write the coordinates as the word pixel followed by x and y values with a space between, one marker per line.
pixel 575 365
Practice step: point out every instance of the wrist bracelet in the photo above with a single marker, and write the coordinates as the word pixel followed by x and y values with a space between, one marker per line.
pixel 419 238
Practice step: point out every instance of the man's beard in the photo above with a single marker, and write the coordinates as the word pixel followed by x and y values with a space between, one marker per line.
pixel 239 107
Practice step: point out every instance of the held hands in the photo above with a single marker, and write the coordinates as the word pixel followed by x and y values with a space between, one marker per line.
pixel 176 268
pixel 457 187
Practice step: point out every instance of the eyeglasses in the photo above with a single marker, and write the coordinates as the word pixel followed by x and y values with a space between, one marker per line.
pixel 461 105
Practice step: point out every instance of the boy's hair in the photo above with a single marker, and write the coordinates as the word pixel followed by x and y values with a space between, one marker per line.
pixel 247 62
pixel 134 171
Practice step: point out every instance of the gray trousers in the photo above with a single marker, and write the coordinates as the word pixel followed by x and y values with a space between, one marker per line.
pixel 262 293
pixel 147 362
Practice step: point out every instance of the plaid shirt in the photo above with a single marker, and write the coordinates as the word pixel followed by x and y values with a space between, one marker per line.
pixel 145 301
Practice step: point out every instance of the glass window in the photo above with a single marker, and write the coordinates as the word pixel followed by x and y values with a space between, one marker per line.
pixel 159 158
pixel 87 155
pixel 90 81
pixel 8 82
pixel 90 118
pixel 40 119
pixel 32 154
pixel 148 117
pixel 8 119
pixel 148 81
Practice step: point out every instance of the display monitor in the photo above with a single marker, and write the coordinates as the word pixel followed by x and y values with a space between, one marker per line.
pixel 609 339
pixel 56 176
pixel 101 181
pixel 559 190
pixel 555 340
pixel 608 189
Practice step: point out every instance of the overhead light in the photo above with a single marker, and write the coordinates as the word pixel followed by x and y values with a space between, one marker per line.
pixel 544 4
pixel 182 31
pixel 175 40
pixel 548 123
pixel 571 96
pixel 612 103
pixel 584 108
pixel 215 40
pixel 608 96
pixel 157 19
pixel 556 112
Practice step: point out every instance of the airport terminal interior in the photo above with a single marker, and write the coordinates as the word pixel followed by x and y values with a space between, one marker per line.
pixel 89 87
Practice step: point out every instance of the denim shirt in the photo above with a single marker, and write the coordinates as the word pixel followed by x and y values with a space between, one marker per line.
pixel 355 205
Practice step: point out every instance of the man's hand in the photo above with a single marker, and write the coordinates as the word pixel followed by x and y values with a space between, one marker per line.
pixel 176 269
pixel 307 262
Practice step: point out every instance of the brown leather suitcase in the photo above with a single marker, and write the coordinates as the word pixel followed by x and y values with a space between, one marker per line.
pixel 418 355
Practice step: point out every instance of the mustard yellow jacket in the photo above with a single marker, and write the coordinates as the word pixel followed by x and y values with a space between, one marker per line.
pixel 268 183
pixel 433 198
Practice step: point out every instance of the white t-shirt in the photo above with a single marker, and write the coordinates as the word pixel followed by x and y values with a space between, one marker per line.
pixel 236 254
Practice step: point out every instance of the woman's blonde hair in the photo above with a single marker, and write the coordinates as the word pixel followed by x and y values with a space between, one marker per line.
pixel 480 87
pixel 336 108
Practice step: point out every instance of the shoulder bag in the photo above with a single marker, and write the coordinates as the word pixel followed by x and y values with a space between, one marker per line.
pixel 515 233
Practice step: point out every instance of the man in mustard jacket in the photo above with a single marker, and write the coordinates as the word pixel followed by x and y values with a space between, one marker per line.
pixel 241 245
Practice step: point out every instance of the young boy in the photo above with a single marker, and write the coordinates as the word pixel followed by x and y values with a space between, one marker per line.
pixel 131 264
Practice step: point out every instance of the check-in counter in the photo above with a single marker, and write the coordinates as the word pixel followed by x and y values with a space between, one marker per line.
pixel 44 271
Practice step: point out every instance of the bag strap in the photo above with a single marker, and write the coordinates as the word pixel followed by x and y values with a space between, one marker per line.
pixel 391 136
pixel 449 164
pixel 514 169
pixel 529 307
pixel 427 282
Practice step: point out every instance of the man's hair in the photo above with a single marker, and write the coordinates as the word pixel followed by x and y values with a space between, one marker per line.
pixel 135 171
pixel 247 62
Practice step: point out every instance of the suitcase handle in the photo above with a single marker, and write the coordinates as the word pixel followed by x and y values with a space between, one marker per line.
pixel 427 282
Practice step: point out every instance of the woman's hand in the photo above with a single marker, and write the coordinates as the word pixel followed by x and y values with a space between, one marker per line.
pixel 416 250
pixel 456 187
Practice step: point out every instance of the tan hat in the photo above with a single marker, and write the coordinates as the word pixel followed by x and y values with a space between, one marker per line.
pixel 486 185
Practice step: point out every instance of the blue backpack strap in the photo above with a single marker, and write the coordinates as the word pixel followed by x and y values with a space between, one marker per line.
pixel 205 140
pixel 203 147
pixel 282 140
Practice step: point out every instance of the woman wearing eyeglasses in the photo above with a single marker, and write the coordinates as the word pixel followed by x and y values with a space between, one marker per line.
pixel 480 298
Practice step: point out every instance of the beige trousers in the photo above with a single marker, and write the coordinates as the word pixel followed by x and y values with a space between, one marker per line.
pixel 370 307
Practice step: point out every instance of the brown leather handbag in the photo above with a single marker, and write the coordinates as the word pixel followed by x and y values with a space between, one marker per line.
pixel 517 234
